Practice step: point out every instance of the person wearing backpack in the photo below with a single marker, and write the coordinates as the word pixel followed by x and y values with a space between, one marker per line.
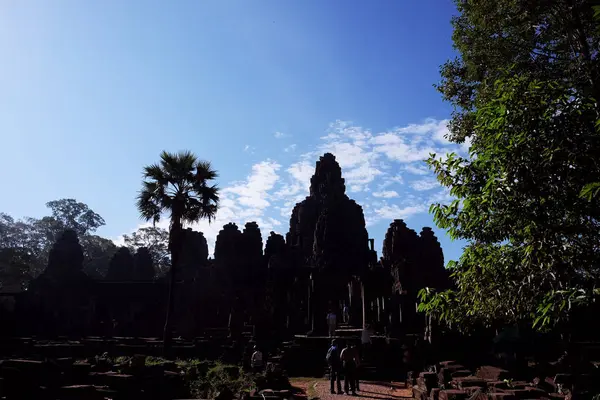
pixel 335 366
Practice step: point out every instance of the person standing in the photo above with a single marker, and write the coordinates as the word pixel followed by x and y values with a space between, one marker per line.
pixel 365 337
pixel 346 311
pixel 335 366
pixel 256 361
pixel 349 363
pixel 331 322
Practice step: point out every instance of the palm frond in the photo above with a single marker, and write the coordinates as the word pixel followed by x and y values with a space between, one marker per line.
pixel 146 204
pixel 198 209
pixel 179 166
pixel 179 185
pixel 204 171
pixel 208 194
pixel 154 172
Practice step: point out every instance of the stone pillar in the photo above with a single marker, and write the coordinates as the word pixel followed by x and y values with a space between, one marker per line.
pixel 356 306
pixel 362 296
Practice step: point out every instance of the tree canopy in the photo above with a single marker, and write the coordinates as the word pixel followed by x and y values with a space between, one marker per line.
pixel 525 90
pixel 25 244
pixel 180 186
pixel 156 241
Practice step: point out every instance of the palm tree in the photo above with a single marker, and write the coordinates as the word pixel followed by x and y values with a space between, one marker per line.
pixel 177 185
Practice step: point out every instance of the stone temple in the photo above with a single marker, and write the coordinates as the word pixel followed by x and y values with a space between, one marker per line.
pixel 57 338
pixel 273 288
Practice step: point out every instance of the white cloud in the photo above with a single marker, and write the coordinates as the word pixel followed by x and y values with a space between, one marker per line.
pixel 369 159
pixel 254 191
pixel 417 169
pixel 395 212
pixel 425 184
pixel 281 135
pixel 290 148
pixel 386 194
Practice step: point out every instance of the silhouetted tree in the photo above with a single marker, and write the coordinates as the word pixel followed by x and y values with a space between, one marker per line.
pixel 156 241
pixel 30 239
pixel 178 185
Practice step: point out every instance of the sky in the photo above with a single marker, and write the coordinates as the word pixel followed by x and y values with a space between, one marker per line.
pixel 90 92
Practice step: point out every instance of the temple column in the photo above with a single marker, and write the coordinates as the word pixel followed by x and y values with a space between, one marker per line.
pixel 362 296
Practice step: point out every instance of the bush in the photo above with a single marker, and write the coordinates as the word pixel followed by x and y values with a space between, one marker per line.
pixel 219 377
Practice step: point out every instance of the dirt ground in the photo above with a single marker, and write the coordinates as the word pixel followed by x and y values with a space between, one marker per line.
pixel 319 388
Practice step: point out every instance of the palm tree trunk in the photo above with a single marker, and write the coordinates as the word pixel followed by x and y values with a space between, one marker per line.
pixel 167 339
pixel 175 246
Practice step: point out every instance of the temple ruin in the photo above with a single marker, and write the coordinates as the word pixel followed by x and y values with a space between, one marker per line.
pixel 325 261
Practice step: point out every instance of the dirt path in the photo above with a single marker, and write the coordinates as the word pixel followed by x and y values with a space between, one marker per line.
pixel 368 390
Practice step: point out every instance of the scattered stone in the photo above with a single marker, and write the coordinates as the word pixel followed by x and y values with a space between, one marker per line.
pixel 491 373
pixel 502 396
pixel 468 382
pixel 453 394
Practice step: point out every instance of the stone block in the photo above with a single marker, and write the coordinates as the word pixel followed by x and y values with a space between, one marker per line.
pixel 419 393
pixel 477 393
pixel 527 393
pixel 468 381
pixel 427 381
pixel 410 379
pixel 445 364
pixel 445 373
pixel 520 385
pixel 501 396
pixel 453 394
pixel 461 373
pixel 546 384
pixel 498 385
pixel 79 392
pixel 491 373
pixel 22 365
pixel 113 380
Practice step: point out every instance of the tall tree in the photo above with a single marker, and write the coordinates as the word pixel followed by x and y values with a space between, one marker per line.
pixel 33 237
pixel 177 185
pixel 71 214
pixel 525 90
pixel 156 241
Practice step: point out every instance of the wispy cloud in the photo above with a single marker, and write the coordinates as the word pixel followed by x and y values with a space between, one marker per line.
pixel 281 135
pixel 290 149
pixel 375 166
pixel 386 194
pixel 417 169
pixel 425 184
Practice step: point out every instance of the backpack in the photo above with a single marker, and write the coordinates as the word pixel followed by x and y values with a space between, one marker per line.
pixel 332 356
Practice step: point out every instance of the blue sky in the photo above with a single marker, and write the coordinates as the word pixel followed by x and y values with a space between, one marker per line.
pixel 90 92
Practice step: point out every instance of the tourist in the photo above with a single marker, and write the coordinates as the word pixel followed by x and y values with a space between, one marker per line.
pixel 365 338
pixel 256 361
pixel 349 363
pixel 346 314
pixel 335 366
pixel 358 362
pixel 331 322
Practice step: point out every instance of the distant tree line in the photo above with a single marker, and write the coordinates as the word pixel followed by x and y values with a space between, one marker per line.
pixel 26 242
